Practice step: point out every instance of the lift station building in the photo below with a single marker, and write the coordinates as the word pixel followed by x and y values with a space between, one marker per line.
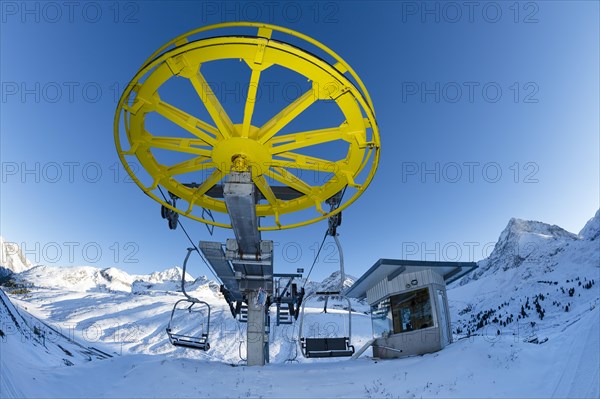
pixel 409 307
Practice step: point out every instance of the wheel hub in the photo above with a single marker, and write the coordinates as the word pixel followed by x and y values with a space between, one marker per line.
pixel 240 153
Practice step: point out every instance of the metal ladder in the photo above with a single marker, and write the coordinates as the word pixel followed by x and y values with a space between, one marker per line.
pixel 243 318
pixel 284 314
pixel 243 315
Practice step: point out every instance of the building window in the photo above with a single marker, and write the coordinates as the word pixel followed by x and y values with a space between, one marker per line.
pixel 411 311
pixel 381 318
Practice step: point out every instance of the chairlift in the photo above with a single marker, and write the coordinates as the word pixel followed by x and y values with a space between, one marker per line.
pixel 186 336
pixel 316 345
pixel 327 346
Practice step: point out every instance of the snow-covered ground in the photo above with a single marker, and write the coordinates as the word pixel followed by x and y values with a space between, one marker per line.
pixel 526 324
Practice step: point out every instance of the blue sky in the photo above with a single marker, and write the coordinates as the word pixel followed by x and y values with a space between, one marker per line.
pixel 487 111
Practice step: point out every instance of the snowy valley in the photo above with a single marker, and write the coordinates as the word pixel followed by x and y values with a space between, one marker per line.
pixel 526 323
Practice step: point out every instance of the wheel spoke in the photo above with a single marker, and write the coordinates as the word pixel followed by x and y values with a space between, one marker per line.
pixel 177 144
pixel 306 162
pixel 265 189
pixel 187 122
pixel 212 104
pixel 250 101
pixel 309 138
pixel 191 165
pixel 206 185
pixel 285 116
pixel 290 180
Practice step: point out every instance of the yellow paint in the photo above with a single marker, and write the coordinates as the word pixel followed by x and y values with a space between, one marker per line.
pixel 219 145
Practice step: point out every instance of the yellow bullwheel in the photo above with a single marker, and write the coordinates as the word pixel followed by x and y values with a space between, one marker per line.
pixel 214 146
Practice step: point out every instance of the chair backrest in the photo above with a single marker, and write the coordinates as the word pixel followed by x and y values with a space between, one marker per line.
pixel 326 344
pixel 337 344
pixel 316 344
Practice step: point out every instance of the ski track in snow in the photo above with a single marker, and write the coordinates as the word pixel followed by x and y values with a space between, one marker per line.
pixel 578 379
pixel 7 389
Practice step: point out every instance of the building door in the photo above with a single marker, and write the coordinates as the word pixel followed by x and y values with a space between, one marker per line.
pixel 445 334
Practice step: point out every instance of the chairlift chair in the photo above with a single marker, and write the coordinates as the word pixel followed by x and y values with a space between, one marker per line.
pixel 319 347
pixel 190 341
pixel 195 341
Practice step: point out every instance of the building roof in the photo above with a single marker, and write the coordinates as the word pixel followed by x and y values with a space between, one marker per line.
pixel 390 268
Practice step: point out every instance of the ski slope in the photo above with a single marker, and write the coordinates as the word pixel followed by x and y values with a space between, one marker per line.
pixel 468 368
pixel 526 324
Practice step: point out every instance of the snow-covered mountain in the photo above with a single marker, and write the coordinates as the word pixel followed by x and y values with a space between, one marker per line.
pixel 12 259
pixel 522 242
pixel 591 230
pixel 332 283
pixel 537 277
pixel 87 278
pixel 79 278
pixel 329 284
pixel 170 281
